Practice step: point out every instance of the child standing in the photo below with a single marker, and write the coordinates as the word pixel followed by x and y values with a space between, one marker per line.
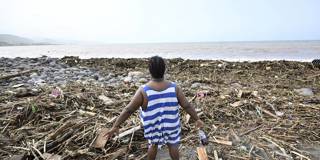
pixel 159 102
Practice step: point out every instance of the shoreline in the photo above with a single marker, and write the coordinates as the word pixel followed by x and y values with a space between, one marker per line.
pixel 250 105
pixel 173 58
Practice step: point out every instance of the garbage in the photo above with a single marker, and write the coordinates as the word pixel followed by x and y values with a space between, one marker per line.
pixel 195 85
pixel 56 92
pixel 203 137
pixel 243 105
pixel 304 91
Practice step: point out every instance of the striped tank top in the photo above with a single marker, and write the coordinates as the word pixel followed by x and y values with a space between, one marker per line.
pixel 161 120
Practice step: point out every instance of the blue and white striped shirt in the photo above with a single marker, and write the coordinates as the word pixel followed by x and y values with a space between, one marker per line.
pixel 161 120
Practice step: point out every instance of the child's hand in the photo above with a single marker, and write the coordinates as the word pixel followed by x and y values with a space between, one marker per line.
pixel 114 130
pixel 199 124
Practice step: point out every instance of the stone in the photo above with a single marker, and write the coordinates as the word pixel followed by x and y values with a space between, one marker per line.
pixel 205 65
pixel 40 82
pixel 106 100
pixel 135 74
pixel 96 77
pixel 196 85
pixel 143 80
pixel 304 91
pixel 243 148
pixel 34 75
pixel 127 79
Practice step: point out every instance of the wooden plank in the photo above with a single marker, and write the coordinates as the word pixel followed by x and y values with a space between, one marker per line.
pixel 101 141
pixel 228 143
pixel 202 153
pixel 127 132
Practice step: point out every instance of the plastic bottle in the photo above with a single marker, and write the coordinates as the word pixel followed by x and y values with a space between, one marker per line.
pixel 203 137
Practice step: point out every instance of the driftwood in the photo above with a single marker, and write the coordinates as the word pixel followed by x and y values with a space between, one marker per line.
pixel 101 141
pixel 202 153
pixel 17 74
pixel 127 132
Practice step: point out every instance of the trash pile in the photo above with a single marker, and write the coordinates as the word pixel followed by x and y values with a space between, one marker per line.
pixel 258 110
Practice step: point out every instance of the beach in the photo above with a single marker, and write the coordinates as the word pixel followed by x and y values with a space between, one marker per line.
pixel 57 106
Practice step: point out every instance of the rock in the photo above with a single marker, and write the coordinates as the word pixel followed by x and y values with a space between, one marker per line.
pixel 34 75
pixel 40 82
pixel 268 68
pixel 96 77
pixel 143 80
pixel 196 85
pixel 136 74
pixel 222 65
pixel 107 101
pixel 205 65
pixel 127 79
pixel 255 93
pixel 243 148
pixel 304 91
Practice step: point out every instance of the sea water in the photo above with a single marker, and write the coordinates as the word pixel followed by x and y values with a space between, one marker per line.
pixel 230 51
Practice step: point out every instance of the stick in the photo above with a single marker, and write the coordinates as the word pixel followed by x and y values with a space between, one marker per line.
pixel 296 153
pixel 215 153
pixel 38 152
pixel 251 130
pixel 59 130
pixel 127 132
pixel 281 149
pixel 229 143
pixel 82 112
pixel 269 113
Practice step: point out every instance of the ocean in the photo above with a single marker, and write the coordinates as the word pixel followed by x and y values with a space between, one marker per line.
pixel 230 51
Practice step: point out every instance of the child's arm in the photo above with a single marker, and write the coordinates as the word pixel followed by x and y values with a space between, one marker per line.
pixel 134 104
pixel 188 107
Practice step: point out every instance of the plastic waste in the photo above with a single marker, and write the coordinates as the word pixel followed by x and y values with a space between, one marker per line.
pixel 203 137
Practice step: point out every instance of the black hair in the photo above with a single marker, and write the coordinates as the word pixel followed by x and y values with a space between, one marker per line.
pixel 157 67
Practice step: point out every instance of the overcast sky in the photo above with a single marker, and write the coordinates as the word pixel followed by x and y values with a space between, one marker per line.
pixel 135 21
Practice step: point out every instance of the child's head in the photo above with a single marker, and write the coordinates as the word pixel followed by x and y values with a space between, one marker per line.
pixel 157 67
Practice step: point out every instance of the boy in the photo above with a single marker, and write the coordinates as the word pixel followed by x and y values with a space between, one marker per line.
pixel 159 102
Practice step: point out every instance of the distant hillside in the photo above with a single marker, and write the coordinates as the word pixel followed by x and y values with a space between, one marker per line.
pixel 13 40
pixel 7 39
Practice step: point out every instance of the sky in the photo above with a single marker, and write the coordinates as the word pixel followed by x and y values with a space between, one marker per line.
pixel 149 21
